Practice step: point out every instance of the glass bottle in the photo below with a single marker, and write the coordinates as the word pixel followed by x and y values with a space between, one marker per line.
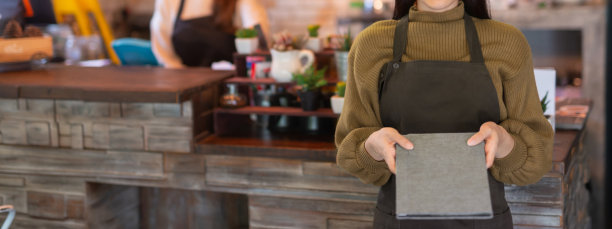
pixel 233 99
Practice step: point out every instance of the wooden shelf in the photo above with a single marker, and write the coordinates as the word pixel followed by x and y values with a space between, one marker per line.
pixel 269 81
pixel 276 148
pixel 247 80
pixel 257 141
pixel 289 111
pixel 267 53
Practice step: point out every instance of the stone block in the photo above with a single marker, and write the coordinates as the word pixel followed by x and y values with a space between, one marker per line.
pixel 11 181
pixel 81 108
pixel 46 205
pixel 65 141
pixel 99 138
pixel 13 132
pixel 126 137
pixel 115 110
pixel 40 106
pixel 38 133
pixel 58 184
pixel 15 197
pixel 75 206
pixel 167 110
pixel 8 105
pixel 64 128
pixel 76 136
pixel 177 132
pixel 184 163
pixel 168 145
pixel 187 110
pixel 137 110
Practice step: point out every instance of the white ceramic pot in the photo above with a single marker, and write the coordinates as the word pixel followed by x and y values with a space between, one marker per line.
pixel 314 44
pixel 246 45
pixel 284 64
pixel 337 103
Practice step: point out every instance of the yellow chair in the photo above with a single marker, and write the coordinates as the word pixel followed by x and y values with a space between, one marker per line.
pixel 83 11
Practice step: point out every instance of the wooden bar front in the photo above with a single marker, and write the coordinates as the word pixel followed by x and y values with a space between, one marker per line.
pixel 76 152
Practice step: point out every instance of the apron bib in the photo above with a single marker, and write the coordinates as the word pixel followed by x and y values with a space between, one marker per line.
pixel 199 43
pixel 438 97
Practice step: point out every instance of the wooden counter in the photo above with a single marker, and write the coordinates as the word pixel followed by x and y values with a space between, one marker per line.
pixel 73 160
pixel 109 84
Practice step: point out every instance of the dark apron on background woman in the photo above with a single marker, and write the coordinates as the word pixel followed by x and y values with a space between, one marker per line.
pixel 198 42
pixel 438 97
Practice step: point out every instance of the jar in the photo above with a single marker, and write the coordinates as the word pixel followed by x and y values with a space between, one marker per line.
pixel 233 99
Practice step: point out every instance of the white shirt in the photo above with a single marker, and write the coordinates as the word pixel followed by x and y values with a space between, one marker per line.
pixel 248 14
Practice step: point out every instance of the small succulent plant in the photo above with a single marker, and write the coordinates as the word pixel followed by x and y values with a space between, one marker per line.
pixel 340 88
pixel 246 33
pixel 313 30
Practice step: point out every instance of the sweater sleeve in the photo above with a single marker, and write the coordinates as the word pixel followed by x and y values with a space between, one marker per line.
pixel 162 25
pixel 358 120
pixel 531 156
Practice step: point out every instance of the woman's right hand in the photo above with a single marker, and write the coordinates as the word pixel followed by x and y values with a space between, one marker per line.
pixel 381 145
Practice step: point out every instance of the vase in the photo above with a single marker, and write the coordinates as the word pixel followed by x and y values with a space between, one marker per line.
pixel 284 64
pixel 341 64
pixel 337 103
pixel 246 45
pixel 309 100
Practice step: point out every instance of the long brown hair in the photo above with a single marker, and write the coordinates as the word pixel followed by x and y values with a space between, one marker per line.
pixel 223 12
pixel 475 8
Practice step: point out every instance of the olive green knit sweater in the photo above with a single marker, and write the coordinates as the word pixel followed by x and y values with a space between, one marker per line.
pixel 441 36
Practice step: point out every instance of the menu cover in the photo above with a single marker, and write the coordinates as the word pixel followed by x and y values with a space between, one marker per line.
pixel 442 178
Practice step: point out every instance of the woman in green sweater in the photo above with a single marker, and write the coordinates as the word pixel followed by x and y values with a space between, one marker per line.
pixel 443 66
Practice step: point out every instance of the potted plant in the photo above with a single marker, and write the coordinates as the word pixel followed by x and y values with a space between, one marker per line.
pixel 309 84
pixel 314 42
pixel 288 57
pixel 337 101
pixel 342 44
pixel 246 41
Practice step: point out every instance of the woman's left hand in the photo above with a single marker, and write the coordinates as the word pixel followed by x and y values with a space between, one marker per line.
pixel 498 142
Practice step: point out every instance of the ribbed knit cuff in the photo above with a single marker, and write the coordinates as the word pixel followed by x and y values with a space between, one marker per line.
pixel 515 159
pixel 367 162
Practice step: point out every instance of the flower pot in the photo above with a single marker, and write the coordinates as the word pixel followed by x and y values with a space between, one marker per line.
pixel 284 64
pixel 309 99
pixel 314 44
pixel 337 103
pixel 341 64
pixel 246 45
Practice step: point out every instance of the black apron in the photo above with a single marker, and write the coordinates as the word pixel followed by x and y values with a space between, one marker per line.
pixel 438 97
pixel 198 42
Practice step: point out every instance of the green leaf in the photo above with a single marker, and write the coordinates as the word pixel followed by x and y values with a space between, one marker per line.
pixel 246 33
pixel 311 79
pixel 544 102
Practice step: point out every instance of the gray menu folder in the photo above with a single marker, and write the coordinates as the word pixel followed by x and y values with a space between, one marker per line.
pixel 442 178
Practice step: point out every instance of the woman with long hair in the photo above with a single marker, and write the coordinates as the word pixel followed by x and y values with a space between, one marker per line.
pixel 200 32
pixel 443 66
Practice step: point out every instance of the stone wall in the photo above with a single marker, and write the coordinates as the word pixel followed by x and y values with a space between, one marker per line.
pixel 158 127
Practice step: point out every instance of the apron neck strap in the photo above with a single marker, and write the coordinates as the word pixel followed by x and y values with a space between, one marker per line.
pixel 472 39
pixel 180 10
pixel 401 39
